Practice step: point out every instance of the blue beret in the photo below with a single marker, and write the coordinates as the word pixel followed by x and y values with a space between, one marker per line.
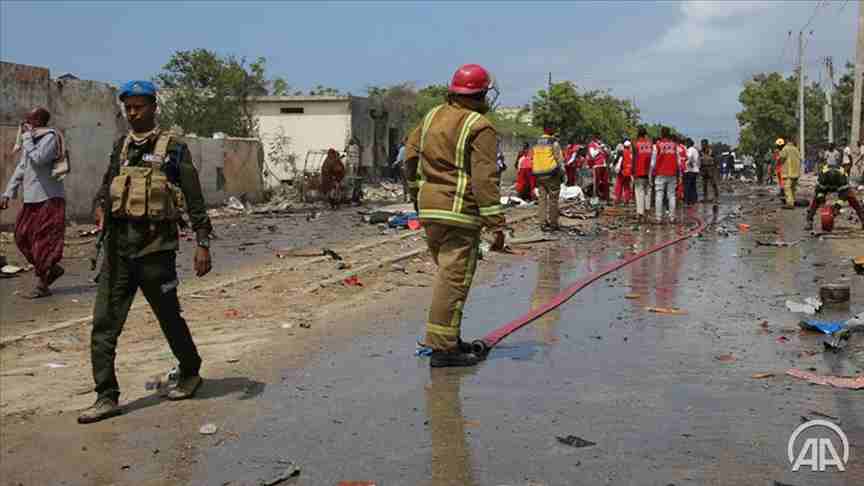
pixel 137 88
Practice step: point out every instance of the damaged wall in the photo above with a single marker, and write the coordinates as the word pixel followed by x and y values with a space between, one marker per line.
pixel 84 111
pixel 88 115
pixel 228 167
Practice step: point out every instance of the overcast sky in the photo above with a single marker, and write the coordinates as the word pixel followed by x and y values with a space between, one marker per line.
pixel 683 62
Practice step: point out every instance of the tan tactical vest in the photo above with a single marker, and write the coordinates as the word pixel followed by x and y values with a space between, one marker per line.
pixel 144 192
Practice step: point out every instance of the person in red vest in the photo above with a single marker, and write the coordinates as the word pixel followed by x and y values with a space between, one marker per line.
pixel 624 179
pixel 682 165
pixel 525 179
pixel 643 151
pixel 666 171
pixel 570 167
pixel 597 161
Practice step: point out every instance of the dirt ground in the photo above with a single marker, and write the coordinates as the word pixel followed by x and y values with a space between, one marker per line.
pixel 303 368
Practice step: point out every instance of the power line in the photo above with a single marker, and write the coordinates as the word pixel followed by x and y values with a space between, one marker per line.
pixel 820 3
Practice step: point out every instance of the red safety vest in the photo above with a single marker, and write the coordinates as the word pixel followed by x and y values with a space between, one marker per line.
pixel 667 158
pixel 644 148
pixel 627 162
pixel 682 157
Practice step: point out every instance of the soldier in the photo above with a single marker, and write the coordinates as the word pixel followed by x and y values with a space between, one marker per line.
pixel 450 163
pixel 149 179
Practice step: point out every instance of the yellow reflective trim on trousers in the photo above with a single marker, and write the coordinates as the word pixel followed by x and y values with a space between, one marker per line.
pixel 462 182
pixel 442 330
pixel 443 214
pixel 491 210
pixel 427 122
pixel 472 266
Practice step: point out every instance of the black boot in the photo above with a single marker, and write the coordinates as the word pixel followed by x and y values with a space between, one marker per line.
pixel 458 357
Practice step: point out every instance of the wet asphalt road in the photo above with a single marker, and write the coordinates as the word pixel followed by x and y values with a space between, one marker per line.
pixel 648 389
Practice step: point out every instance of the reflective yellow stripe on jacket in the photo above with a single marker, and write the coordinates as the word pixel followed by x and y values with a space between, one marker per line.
pixel 462 183
pixel 426 123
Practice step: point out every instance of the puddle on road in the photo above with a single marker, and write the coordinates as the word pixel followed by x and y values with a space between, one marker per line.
pixel 647 388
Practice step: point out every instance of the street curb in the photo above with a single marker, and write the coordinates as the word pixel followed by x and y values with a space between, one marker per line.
pixel 246 278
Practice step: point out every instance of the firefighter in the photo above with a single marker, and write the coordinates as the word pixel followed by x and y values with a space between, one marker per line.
pixel 548 161
pixel 790 156
pixel 833 178
pixel 450 163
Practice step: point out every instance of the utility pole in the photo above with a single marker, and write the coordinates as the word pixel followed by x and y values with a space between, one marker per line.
pixel 801 92
pixel 855 136
pixel 829 95
pixel 550 81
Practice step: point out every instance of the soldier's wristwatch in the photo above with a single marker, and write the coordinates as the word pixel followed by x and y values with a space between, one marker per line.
pixel 204 243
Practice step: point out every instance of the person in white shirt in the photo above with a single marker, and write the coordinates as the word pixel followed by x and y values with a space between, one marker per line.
pixel 691 174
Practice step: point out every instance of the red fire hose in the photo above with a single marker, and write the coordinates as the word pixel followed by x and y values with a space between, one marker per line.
pixel 484 345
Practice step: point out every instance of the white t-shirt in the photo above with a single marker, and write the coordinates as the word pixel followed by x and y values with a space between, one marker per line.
pixel 692 160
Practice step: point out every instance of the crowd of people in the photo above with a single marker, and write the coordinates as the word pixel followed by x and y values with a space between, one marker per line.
pixel 645 172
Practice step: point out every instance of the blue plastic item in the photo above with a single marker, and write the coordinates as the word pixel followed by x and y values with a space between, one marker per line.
pixel 401 220
pixel 826 327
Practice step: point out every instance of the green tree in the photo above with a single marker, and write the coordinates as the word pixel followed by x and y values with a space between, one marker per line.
pixel 579 115
pixel 769 104
pixel 205 93
pixel 842 101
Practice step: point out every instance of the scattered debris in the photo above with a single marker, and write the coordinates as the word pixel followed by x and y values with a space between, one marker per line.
pixel 666 310
pixel 858 265
pixel 208 429
pixel 515 201
pixel 85 233
pixel 55 365
pixel 811 306
pixel 782 339
pixel 352 281
pixel 853 383
pixel 743 227
pixel 633 296
pixel 825 327
pixel 761 376
pixel 287 326
pixel 834 293
pixel 779 243
pixel 232 314
pixel 234 204
pixel 286 471
pixel 823 415
pixel 232 360
pixel 14 270
pixel 163 380
pixel 402 220
pixel 573 441
pixel 571 193
pixel 307 253
pixel 726 358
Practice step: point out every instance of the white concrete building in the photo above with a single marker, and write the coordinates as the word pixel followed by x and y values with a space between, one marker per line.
pixel 313 124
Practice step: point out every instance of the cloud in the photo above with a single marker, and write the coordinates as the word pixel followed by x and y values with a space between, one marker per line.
pixel 690 72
